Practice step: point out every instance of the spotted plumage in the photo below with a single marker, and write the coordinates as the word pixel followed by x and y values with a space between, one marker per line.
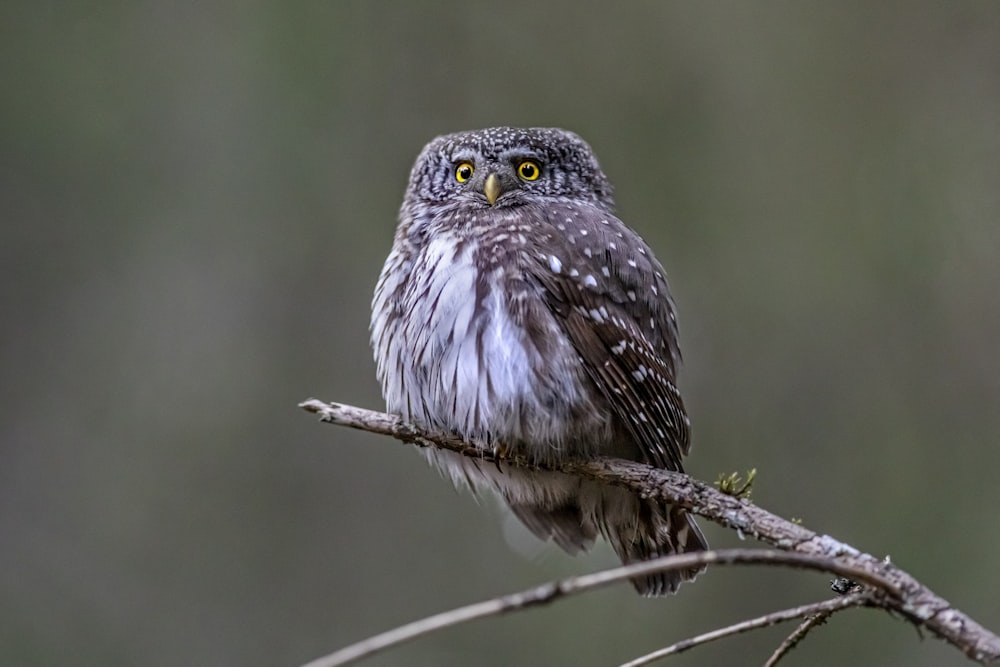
pixel 516 310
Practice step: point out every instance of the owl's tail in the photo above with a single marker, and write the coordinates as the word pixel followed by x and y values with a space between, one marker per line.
pixel 660 531
pixel 638 530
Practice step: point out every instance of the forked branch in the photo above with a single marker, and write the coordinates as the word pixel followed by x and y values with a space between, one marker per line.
pixel 809 611
pixel 553 591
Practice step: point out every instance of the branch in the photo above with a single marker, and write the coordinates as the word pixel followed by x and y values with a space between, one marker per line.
pixel 791 641
pixel 814 610
pixel 553 591
pixel 904 594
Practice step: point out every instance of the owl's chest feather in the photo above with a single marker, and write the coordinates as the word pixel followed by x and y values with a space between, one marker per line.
pixel 461 356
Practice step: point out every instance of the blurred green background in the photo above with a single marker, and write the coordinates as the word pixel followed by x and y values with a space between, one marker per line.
pixel 197 198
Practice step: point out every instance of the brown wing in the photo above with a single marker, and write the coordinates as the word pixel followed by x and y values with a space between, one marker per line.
pixel 604 286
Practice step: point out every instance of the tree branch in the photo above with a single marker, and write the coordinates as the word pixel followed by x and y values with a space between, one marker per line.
pixel 814 610
pixel 904 594
pixel 553 591
pixel 814 620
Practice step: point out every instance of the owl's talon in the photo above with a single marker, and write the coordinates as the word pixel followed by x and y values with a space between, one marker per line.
pixel 500 452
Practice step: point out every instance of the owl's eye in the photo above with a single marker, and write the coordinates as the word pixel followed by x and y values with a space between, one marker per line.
pixel 464 171
pixel 528 170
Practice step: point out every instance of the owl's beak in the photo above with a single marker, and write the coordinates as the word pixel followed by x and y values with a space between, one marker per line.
pixel 492 188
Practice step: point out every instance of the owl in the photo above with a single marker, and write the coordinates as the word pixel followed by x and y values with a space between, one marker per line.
pixel 518 312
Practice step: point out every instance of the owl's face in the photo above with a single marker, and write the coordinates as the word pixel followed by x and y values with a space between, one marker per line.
pixel 506 167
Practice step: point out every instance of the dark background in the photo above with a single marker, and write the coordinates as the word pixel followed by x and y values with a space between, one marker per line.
pixel 196 200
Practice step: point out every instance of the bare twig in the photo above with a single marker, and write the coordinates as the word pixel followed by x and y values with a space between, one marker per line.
pixel 907 596
pixel 824 608
pixel 841 585
pixel 792 640
pixel 553 591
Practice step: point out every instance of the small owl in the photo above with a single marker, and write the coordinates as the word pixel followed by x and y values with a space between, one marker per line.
pixel 516 311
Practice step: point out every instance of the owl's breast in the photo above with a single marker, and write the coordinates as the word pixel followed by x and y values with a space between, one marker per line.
pixel 470 347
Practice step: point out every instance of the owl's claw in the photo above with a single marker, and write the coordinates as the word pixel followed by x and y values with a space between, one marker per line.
pixel 499 452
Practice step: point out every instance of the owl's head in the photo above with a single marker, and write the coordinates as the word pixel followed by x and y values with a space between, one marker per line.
pixel 508 166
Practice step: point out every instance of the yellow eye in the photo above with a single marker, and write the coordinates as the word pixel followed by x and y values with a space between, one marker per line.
pixel 464 172
pixel 528 170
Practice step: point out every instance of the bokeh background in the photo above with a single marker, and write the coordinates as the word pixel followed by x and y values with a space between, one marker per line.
pixel 196 200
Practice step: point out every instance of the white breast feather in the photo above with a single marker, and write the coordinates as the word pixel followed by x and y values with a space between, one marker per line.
pixel 431 372
pixel 438 376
